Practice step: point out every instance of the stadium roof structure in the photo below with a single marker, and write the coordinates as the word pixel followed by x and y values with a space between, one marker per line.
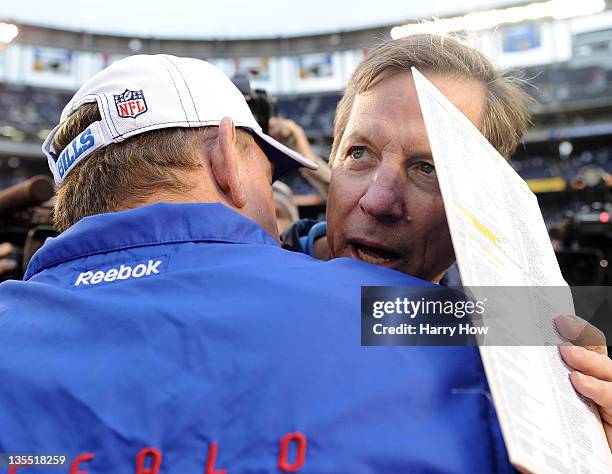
pixel 232 20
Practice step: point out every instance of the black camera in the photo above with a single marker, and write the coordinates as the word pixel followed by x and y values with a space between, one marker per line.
pixel 25 220
pixel 586 242
pixel 262 106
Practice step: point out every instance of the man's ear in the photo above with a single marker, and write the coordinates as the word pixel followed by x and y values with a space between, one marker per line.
pixel 225 166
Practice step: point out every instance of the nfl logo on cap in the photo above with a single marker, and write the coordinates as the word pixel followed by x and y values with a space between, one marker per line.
pixel 130 104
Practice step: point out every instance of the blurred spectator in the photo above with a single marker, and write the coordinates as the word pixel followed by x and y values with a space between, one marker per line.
pixel 29 110
pixel 286 211
pixel 7 264
pixel 292 135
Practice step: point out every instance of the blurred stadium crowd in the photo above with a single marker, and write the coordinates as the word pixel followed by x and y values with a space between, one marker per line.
pixel 28 113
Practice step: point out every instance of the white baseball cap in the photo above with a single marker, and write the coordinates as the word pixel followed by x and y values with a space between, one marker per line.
pixel 148 92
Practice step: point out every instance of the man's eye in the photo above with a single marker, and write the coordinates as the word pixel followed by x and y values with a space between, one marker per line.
pixel 427 168
pixel 357 152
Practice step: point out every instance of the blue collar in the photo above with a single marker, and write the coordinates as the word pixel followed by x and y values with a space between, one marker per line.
pixel 148 225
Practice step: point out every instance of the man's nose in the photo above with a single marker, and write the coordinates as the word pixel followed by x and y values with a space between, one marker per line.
pixel 383 199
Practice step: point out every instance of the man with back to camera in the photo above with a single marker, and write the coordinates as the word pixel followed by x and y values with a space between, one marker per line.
pixel 165 330
pixel 384 205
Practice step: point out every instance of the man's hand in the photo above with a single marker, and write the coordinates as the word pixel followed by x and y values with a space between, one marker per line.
pixel 292 135
pixel 289 133
pixel 6 264
pixel 588 356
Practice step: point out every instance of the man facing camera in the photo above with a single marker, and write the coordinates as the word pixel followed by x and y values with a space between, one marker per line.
pixel 165 330
pixel 384 205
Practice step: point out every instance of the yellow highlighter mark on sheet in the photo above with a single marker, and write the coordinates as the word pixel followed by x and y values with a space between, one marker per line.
pixel 480 226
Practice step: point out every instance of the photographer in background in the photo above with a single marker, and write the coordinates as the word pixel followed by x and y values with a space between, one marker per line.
pixel 7 262
pixel 25 223
pixel 286 131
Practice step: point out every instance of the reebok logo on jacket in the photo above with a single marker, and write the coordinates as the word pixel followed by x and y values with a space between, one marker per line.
pixel 124 272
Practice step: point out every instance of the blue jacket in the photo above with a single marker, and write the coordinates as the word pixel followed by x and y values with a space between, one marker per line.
pixel 180 338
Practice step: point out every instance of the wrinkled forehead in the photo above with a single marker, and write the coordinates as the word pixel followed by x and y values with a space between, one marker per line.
pixel 391 103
